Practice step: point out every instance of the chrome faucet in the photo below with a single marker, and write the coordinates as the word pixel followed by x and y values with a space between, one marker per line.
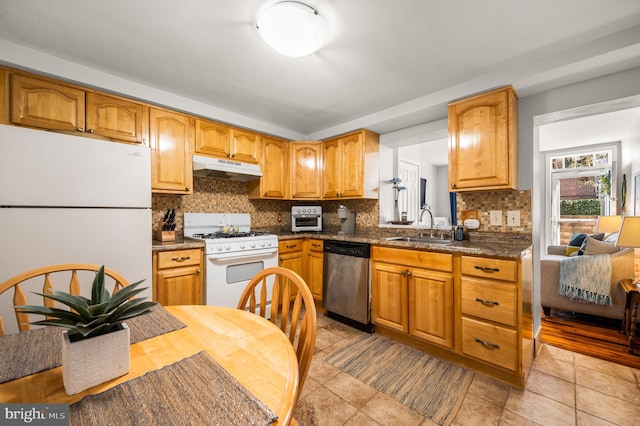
pixel 425 209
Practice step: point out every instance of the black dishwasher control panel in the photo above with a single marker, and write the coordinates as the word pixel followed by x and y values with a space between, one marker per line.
pixel 347 248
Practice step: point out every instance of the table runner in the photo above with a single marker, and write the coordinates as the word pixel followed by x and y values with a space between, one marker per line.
pixel 22 354
pixel 193 391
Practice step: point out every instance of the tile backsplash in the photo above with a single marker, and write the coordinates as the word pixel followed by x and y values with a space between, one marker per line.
pixel 224 196
pixel 504 200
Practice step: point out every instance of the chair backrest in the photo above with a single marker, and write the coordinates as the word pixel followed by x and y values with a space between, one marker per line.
pixel 292 309
pixel 19 298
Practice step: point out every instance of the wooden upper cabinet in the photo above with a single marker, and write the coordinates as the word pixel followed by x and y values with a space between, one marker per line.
pixel 212 138
pixel 306 164
pixel 245 146
pixel 274 182
pixel 44 103
pixel 4 119
pixel 48 104
pixel 170 138
pixel 222 141
pixel 351 166
pixel 116 118
pixel 483 141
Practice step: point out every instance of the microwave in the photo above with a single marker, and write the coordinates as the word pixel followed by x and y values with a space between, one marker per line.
pixel 306 218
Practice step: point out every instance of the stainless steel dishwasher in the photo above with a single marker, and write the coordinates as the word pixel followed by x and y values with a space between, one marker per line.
pixel 346 290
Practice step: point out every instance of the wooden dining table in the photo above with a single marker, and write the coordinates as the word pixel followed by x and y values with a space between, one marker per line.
pixel 253 350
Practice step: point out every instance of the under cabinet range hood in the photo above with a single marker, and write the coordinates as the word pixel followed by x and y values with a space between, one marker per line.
pixel 220 168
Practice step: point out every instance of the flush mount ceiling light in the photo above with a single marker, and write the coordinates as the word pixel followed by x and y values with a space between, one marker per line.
pixel 292 28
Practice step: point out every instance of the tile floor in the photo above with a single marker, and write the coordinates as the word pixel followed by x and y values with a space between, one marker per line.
pixel 564 388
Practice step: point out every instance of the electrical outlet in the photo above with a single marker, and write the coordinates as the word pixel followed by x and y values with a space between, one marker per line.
pixel 513 218
pixel 495 217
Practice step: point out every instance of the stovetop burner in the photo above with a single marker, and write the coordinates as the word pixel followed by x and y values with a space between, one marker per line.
pixel 216 235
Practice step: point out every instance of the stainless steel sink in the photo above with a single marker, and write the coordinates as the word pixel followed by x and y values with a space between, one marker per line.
pixel 426 240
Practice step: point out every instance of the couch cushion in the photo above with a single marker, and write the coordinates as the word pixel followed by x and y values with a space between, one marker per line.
pixel 593 246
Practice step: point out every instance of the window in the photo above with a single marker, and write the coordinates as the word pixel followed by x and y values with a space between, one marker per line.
pixel 582 184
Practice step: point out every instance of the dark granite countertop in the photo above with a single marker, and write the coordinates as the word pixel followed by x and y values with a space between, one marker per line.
pixel 503 245
pixel 512 246
pixel 179 244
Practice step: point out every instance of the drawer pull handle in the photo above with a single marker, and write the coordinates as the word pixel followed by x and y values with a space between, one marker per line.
pixel 488 270
pixel 487 302
pixel 317 245
pixel 292 246
pixel 488 345
pixel 180 259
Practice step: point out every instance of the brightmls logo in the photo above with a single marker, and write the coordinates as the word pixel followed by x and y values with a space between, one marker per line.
pixel 34 414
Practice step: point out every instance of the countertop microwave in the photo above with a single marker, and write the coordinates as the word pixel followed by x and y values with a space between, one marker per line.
pixel 306 218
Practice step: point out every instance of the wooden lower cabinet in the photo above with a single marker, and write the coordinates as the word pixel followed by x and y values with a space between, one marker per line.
pixel 178 277
pixel 304 256
pixel 412 292
pixel 472 310
pixel 314 262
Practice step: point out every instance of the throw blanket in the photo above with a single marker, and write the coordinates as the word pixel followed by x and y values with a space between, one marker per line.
pixel 586 279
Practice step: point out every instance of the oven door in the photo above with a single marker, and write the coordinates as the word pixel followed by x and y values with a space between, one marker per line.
pixel 227 274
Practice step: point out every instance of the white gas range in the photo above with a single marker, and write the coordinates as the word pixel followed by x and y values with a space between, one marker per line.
pixel 233 253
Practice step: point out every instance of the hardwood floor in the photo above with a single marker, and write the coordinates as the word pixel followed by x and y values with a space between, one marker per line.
pixel 588 335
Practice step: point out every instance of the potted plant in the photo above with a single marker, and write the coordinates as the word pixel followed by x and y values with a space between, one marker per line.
pixel 95 346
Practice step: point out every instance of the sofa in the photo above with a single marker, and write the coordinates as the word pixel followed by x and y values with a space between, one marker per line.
pixel 621 267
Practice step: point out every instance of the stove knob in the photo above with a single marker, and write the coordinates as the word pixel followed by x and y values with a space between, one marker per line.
pixel 261 243
pixel 242 246
pixel 227 247
pixel 252 245
pixel 268 243
pixel 219 247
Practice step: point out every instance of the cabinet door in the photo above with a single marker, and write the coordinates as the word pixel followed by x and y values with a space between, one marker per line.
pixel 274 182
pixel 46 104
pixel 180 286
pixel 352 166
pixel 431 306
pixel 293 262
pixel 389 299
pixel 245 146
pixel 212 138
pixel 305 170
pixel 171 161
pixel 314 268
pixel 482 141
pixel 332 169
pixel 116 118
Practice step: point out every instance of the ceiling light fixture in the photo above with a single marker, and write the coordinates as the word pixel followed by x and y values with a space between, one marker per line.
pixel 292 28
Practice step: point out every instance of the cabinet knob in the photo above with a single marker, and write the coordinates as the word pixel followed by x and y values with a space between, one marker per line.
pixel 81 129
pixel 197 271
pixel 453 185
pixel 403 273
pixel 89 130
pixel 409 274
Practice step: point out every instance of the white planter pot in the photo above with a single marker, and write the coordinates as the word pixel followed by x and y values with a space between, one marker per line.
pixel 92 361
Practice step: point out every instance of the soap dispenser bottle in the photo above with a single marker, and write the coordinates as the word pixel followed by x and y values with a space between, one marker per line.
pixel 459 232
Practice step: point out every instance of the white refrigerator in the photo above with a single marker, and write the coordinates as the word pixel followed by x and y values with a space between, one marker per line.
pixel 72 199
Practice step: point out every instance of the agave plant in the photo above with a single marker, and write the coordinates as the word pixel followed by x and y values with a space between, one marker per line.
pixel 101 314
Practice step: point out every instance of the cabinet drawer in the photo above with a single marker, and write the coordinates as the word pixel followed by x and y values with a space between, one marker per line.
pixel 496 269
pixel 175 259
pixel 488 300
pixel 289 246
pixel 316 245
pixel 490 343
pixel 422 259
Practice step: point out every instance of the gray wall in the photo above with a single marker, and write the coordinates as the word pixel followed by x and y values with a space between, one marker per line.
pixel 612 87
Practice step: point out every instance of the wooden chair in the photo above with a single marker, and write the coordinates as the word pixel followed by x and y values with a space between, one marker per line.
pixel 74 286
pixel 292 309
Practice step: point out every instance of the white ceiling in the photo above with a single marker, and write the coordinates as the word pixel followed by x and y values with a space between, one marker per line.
pixel 387 65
